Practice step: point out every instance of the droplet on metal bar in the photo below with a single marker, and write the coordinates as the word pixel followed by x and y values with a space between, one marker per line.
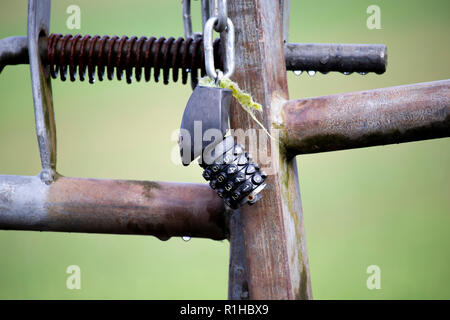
pixel 163 238
pixel 297 72
pixel 346 73
pixel 311 73
pixel 186 238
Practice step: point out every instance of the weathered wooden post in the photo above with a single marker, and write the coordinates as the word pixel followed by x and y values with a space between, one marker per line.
pixel 276 260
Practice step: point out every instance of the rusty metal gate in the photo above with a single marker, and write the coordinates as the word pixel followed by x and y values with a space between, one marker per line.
pixel 268 257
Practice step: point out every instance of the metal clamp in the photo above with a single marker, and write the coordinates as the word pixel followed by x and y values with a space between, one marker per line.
pixel 229 63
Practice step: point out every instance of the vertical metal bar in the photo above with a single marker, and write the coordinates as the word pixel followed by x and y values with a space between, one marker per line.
pixel 37 32
pixel 205 12
pixel 273 236
pixel 187 20
pixel 286 9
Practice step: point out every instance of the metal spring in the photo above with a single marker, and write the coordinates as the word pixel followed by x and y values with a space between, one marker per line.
pixel 69 53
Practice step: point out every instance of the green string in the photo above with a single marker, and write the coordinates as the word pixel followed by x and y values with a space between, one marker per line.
pixel 245 99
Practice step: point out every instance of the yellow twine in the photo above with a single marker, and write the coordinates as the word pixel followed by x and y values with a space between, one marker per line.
pixel 245 99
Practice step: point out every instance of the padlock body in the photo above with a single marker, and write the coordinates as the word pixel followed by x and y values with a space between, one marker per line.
pixel 205 121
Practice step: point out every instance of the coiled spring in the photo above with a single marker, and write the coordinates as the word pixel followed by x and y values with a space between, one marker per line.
pixel 132 56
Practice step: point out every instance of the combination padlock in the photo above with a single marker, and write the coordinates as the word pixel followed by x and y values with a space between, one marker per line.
pixel 228 168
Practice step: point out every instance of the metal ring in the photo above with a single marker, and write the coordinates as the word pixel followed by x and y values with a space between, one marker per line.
pixel 222 15
pixel 229 64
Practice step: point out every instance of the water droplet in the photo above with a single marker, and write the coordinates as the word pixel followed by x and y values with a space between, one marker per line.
pixel 298 72
pixel 346 73
pixel 186 238
pixel 163 238
pixel 311 73
pixel 188 70
pixel 363 73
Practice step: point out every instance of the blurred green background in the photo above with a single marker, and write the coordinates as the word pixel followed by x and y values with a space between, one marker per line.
pixel 387 206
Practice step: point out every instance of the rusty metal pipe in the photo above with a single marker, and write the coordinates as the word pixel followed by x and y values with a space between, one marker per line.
pixel 367 118
pixel 160 209
pixel 320 57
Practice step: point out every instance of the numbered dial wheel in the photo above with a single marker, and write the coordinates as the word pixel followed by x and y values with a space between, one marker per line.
pixel 235 177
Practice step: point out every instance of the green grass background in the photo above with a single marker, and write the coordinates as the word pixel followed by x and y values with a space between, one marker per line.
pixel 387 206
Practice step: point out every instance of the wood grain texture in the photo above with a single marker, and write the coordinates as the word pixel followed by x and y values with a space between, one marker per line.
pixel 273 236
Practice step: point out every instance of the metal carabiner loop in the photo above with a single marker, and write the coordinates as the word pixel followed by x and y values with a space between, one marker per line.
pixel 229 63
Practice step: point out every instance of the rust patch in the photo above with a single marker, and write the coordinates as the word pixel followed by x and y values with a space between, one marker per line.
pixel 160 209
pixel 148 187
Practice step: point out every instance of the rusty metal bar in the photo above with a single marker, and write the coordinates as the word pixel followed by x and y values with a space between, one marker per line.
pixel 368 118
pixel 274 244
pixel 320 57
pixel 327 57
pixel 160 209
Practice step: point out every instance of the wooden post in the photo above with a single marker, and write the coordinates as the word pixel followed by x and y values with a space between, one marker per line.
pixel 272 230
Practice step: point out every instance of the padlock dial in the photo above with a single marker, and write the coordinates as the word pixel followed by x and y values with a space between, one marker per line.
pixel 235 177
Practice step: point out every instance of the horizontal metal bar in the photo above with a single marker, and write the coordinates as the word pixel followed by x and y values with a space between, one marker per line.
pixel 13 51
pixel 368 118
pixel 160 209
pixel 327 57
pixel 362 58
